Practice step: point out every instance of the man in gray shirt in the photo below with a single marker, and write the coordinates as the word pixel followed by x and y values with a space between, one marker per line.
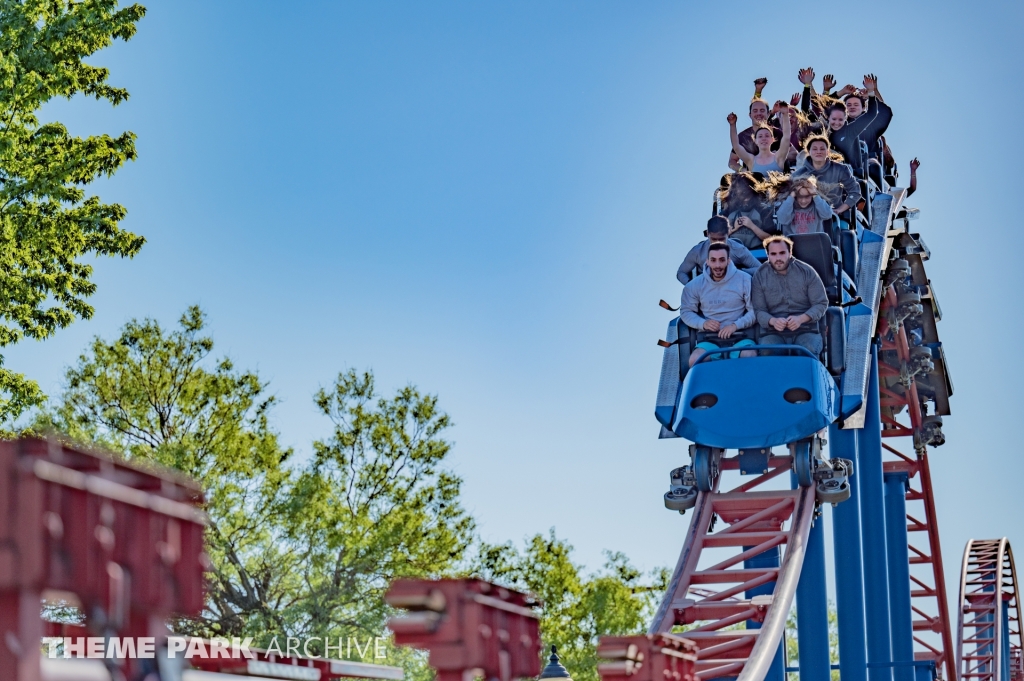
pixel 788 298
pixel 717 305
pixel 718 230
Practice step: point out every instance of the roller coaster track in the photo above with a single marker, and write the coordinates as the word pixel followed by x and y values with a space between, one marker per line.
pixel 709 601
pixel 989 623
pixel 709 604
pixel 898 390
pixel 928 596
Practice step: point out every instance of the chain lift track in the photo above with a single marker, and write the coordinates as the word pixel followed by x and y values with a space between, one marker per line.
pixel 911 371
pixel 989 622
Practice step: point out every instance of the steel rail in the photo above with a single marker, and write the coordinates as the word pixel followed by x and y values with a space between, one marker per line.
pixel 774 626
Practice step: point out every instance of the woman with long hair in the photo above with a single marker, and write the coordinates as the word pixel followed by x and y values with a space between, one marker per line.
pixel 742 204
pixel 765 161
pixel 803 211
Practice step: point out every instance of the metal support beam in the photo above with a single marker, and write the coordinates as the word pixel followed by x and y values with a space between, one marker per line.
pixel 812 607
pixel 768 559
pixel 872 511
pixel 846 543
pixel 900 614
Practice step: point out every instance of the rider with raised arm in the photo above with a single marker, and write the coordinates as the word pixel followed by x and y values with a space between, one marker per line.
pixel 718 232
pixel 868 125
pixel 803 211
pixel 788 298
pixel 914 165
pixel 717 304
pixel 834 179
pixel 758 112
pixel 765 160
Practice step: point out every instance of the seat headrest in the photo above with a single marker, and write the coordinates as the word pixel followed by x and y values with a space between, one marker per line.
pixel 816 250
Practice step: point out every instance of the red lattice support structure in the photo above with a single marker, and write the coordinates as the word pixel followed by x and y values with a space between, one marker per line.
pixel 470 627
pixel 654 657
pixel 929 604
pixel 713 597
pixel 126 541
pixel 989 613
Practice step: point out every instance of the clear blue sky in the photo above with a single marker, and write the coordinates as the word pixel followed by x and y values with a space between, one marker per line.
pixel 487 199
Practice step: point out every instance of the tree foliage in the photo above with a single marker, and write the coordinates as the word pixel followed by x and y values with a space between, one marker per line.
pixel 617 600
pixel 48 225
pixel 792 642
pixel 296 550
pixel 156 396
pixel 374 505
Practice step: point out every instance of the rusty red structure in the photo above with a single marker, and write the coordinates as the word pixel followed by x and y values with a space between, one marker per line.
pixel 264 663
pixel 472 628
pixel 469 627
pixel 124 542
pixel 651 657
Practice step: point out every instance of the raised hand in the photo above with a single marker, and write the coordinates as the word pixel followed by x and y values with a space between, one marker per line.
pixel 795 99
pixel 759 84
pixel 731 118
pixel 806 76
pixel 870 82
pixel 914 165
pixel 847 90
pixel 828 82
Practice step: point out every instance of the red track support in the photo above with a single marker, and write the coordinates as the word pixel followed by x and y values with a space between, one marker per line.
pixel 712 597
pixel 126 541
pixel 988 584
pixel 928 599
pixel 264 663
pixel 471 628
pixel 889 398
pixel 657 657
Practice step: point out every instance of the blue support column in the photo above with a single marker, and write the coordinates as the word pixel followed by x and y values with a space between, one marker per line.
pixel 770 558
pixel 900 615
pixel 924 672
pixel 812 607
pixel 989 633
pixel 846 543
pixel 1004 649
pixel 872 513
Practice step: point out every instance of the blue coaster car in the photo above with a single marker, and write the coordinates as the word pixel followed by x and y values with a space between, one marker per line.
pixel 752 402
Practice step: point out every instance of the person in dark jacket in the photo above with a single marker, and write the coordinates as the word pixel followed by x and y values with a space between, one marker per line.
pixel 788 298
pixel 868 126
pixel 835 180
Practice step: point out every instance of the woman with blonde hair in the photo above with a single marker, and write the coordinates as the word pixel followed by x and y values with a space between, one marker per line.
pixel 803 211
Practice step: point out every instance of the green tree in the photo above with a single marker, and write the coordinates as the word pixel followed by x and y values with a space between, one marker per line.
pixel 793 649
pixel 48 226
pixel 577 608
pixel 373 505
pixel 157 396
pixel 295 550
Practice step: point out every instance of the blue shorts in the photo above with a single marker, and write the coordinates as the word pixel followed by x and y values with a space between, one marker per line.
pixel 708 345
